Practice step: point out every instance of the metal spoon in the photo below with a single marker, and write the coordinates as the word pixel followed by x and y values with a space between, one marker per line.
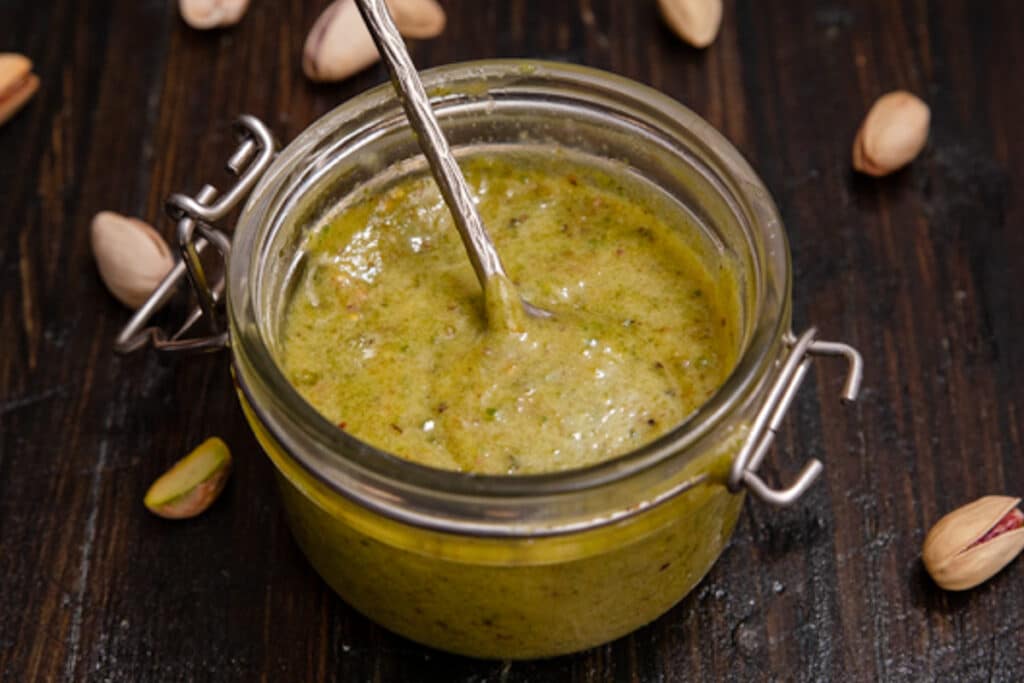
pixel 446 171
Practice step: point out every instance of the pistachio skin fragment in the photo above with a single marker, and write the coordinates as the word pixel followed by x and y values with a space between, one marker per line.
pixel 1014 519
pixel 964 548
pixel 17 83
pixel 193 483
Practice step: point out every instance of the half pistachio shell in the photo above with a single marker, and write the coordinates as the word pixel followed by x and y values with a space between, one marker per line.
pixel 695 21
pixel 418 19
pixel 194 482
pixel 893 133
pixel 17 83
pixel 955 553
pixel 206 14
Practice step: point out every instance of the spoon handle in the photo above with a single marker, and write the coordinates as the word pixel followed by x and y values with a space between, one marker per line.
pixel 446 171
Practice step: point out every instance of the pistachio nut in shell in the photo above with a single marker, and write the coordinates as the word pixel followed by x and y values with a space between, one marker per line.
pixel 206 14
pixel 17 83
pixel 131 256
pixel 419 19
pixel 193 483
pixel 339 44
pixel 695 21
pixel 893 133
pixel 973 543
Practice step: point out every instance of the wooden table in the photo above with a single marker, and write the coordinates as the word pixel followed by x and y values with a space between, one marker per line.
pixel 921 271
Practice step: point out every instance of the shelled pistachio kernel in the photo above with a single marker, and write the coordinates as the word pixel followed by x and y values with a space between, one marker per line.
pixel 193 483
pixel 973 543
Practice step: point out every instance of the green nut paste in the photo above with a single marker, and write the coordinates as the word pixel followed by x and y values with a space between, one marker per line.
pixel 387 332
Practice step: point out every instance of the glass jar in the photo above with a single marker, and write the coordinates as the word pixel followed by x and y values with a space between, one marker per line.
pixel 537 565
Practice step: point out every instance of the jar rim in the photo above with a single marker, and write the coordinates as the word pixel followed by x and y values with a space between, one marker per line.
pixel 381 480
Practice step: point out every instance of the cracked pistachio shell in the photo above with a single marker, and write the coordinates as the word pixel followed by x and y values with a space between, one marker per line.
pixel 948 554
pixel 194 482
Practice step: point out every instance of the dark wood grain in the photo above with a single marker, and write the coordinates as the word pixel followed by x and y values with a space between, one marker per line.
pixel 921 271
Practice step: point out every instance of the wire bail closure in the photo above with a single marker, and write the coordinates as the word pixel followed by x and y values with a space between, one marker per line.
pixel 195 217
pixel 769 417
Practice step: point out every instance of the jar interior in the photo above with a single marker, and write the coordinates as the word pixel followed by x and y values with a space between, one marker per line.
pixel 627 149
